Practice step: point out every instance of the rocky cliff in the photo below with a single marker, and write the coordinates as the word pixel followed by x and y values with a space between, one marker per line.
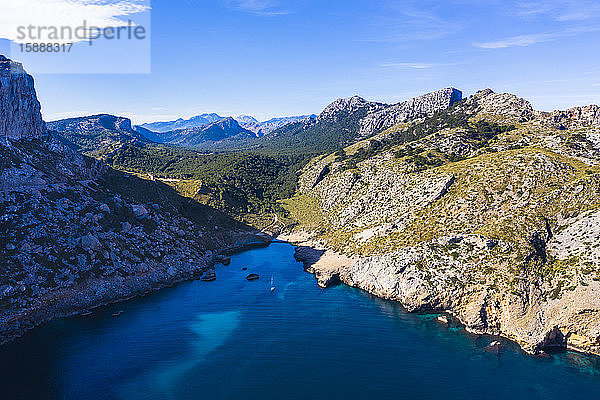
pixel 420 106
pixel 20 115
pixel 575 117
pixel 75 234
pixel 487 211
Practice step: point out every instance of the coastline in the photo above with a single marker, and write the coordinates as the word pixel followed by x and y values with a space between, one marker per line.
pixel 97 293
pixel 331 268
pixel 328 267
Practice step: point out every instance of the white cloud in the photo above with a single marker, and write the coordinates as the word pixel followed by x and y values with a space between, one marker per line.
pixel 531 39
pixel 559 10
pixel 258 7
pixel 415 65
pixel 518 41
pixel 409 21
pixel 63 13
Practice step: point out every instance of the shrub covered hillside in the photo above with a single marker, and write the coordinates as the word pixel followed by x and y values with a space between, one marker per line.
pixel 489 210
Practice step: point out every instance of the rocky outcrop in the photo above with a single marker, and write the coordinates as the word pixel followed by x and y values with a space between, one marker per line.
pixel 20 115
pixel 349 105
pixel 408 110
pixel 515 109
pixel 506 105
pixel 575 117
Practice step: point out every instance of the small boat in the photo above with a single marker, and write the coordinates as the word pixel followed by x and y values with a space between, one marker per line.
pixel 272 285
pixel 117 314
pixel 252 277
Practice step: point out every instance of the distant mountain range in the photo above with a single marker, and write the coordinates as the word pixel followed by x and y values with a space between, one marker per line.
pixel 245 121
pixel 221 130
pixel 341 123
pixel 266 127
pixel 194 122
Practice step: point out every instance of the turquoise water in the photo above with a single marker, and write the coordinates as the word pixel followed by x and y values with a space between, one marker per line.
pixel 234 339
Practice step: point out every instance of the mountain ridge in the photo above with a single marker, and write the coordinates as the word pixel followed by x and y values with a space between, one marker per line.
pixel 260 128
pixel 97 134
pixel 180 123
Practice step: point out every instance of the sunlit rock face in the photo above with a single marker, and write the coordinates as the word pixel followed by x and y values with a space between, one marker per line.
pixel 407 110
pixel 20 115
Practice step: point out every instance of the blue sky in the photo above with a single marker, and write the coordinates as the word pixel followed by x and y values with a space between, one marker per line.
pixel 275 57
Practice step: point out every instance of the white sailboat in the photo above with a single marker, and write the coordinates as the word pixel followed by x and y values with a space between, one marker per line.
pixel 272 284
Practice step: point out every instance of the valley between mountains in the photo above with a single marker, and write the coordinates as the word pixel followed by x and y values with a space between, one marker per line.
pixel 480 207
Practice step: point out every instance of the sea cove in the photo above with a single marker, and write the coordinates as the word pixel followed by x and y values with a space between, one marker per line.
pixel 234 339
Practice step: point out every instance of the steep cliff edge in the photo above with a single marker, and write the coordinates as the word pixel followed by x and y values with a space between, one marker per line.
pixel 20 115
pixel 75 234
pixel 405 111
pixel 487 211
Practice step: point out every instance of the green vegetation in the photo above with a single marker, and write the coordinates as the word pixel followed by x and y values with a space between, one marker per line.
pixel 479 134
pixel 238 183
pixel 307 209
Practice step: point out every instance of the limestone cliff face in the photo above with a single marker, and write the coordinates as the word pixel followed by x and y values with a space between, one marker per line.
pixel 407 110
pixel 347 106
pixel 576 117
pixel 493 219
pixel 506 105
pixel 376 117
pixel 20 115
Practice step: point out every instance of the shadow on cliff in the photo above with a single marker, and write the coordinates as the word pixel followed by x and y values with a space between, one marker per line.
pixel 308 256
pixel 141 191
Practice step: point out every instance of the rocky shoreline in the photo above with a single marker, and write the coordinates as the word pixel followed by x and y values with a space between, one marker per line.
pixel 534 330
pixel 101 292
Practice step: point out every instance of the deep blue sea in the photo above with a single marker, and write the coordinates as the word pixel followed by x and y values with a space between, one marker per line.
pixel 234 339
